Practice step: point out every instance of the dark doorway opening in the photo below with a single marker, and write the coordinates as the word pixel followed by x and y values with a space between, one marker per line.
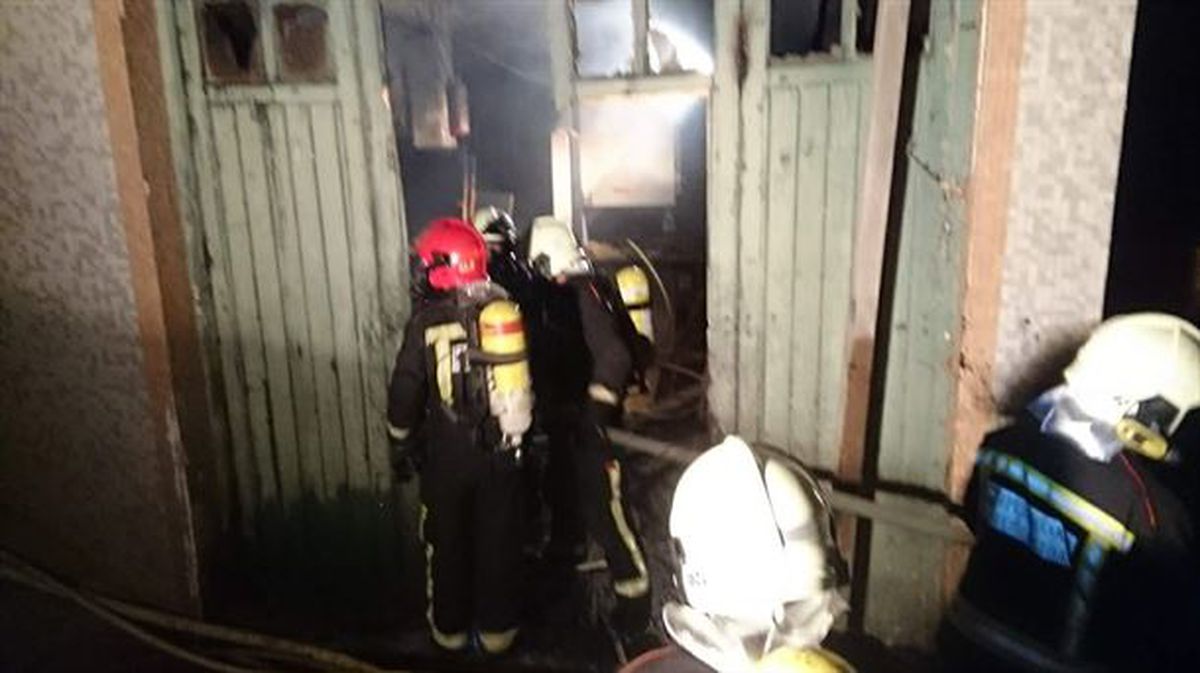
pixel 1154 263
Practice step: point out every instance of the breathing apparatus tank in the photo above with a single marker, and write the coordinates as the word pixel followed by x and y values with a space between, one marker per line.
pixel 634 287
pixel 510 393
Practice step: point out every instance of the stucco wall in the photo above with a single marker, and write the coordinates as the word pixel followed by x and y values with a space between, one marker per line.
pixel 86 485
pixel 1071 110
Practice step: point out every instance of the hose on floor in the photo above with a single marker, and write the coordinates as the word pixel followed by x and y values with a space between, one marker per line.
pixel 134 620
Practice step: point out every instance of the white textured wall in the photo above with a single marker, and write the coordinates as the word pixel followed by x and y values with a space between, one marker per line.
pixel 84 486
pixel 1071 111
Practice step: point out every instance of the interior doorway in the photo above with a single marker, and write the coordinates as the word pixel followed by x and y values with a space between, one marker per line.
pixel 472 89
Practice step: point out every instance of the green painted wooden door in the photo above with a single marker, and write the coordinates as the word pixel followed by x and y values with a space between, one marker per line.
pixel 299 197
pixel 781 235
pixel 815 124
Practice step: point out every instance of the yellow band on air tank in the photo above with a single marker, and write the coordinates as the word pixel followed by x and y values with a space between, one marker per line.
pixel 634 287
pixel 502 333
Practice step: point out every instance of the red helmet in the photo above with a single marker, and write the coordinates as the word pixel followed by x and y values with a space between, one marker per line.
pixel 452 253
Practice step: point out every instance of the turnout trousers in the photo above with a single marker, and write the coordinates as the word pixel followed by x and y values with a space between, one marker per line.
pixel 471 526
pixel 584 485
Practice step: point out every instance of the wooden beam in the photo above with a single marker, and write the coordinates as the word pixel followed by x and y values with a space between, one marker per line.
pixel 891 38
pixel 987 217
pixel 154 334
pixel 684 83
pixel 755 27
pixel 641 32
pixel 274 93
pixel 849 36
pixel 560 174
pixel 723 200
pixel 562 54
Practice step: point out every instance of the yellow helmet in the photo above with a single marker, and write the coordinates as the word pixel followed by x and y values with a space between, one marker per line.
pixel 1141 374
pixel 806 660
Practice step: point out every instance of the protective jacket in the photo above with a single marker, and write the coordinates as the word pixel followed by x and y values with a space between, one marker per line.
pixel 470 481
pixel 581 367
pixel 1077 562
pixel 577 344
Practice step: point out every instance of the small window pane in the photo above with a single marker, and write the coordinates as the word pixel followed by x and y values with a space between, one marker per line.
pixel 802 27
pixel 867 11
pixel 232 51
pixel 303 47
pixel 604 33
pixel 680 37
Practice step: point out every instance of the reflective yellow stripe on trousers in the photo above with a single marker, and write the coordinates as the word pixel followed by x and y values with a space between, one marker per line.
pixel 636 586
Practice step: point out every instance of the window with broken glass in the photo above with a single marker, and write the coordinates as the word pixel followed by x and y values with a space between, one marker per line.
pixel 256 42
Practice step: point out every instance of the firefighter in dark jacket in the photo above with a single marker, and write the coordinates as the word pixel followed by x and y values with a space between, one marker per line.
pixel 458 405
pixel 506 267
pixel 1084 552
pixel 582 365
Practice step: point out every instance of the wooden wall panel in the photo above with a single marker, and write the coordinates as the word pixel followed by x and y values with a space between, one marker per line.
pixel 295 303
pixel 780 264
pixel 281 419
pixel 796 245
pixel 301 216
pixel 922 359
pixel 249 370
pixel 752 212
pixel 723 197
pixel 331 197
pixel 330 438
pixel 809 254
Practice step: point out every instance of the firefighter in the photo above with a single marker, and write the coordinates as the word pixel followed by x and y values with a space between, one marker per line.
pixel 461 382
pixel 582 365
pixel 757 565
pixel 1084 556
pixel 505 266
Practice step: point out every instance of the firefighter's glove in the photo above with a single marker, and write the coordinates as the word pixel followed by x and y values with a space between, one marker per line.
pixel 406 460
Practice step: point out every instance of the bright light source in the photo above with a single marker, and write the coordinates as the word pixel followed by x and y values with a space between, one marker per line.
pixel 690 55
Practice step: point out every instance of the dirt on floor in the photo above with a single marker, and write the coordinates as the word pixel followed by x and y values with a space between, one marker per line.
pixel 563 627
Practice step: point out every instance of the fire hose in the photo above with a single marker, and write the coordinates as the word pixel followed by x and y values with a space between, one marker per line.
pixel 137 621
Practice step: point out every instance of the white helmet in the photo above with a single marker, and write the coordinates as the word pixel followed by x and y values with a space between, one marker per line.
pixel 484 216
pixel 553 249
pixel 1139 373
pixel 756 560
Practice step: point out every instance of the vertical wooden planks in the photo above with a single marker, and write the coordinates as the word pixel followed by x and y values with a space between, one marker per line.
pixel 841 186
pixel 781 219
pixel 311 239
pixel 295 303
pixel 253 375
pixel 281 416
pixel 389 228
pixel 298 190
pixel 926 323
pixel 809 269
pixel 215 245
pixel 929 284
pixel 723 197
pixel 341 289
pixel 355 186
pixel 751 214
